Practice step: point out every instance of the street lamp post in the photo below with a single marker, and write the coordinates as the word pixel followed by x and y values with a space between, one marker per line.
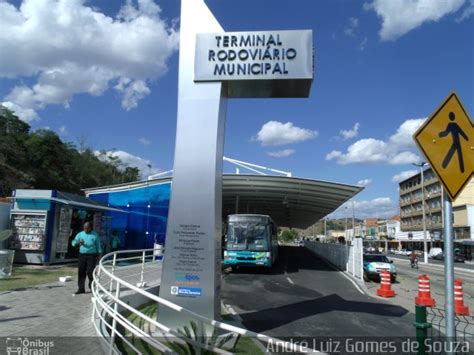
pixel 425 242
pixel 353 218
pixel 346 236
pixel 325 231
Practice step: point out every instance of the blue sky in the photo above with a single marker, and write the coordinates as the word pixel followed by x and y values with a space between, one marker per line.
pixel 105 73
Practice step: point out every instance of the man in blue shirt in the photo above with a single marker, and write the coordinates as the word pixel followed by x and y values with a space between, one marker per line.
pixel 89 250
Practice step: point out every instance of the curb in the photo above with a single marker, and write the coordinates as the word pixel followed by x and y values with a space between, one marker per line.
pixel 356 282
pixel 361 283
pixel 238 320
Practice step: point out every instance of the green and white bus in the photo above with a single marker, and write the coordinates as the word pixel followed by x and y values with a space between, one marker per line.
pixel 250 240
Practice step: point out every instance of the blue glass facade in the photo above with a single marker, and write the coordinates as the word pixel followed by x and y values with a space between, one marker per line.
pixel 145 217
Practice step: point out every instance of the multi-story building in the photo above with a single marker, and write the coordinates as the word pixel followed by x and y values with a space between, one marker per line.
pixel 371 225
pixel 388 228
pixel 411 199
pixel 411 208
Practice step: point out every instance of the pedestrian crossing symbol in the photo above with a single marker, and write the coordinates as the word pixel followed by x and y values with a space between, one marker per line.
pixel 447 141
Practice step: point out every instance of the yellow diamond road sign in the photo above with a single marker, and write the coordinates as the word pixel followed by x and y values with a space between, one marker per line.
pixel 447 141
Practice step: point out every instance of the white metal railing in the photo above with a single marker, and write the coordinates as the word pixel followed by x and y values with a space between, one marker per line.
pixel 121 274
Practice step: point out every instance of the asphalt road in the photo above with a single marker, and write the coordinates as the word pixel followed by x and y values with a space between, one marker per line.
pixel 468 265
pixel 406 289
pixel 302 296
pixel 408 280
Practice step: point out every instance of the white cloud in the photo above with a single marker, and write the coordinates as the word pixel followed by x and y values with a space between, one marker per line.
pixel 404 158
pixel 351 28
pixel 403 138
pixel 398 149
pixel 335 154
pixel 26 114
pixel 350 133
pixel 63 130
pixel 381 207
pixel 364 182
pixel 278 133
pixel 467 12
pixel 282 153
pixel 404 175
pixel 70 48
pixel 144 141
pixel 132 91
pixel 401 16
pixel 363 44
pixel 129 160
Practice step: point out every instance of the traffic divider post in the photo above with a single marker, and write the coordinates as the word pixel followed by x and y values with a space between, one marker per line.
pixel 459 308
pixel 424 294
pixel 385 289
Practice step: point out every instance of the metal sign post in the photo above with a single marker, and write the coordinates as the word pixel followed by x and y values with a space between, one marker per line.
pixel 213 66
pixel 446 141
pixel 449 268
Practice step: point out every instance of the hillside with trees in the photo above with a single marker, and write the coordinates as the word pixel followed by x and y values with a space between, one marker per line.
pixel 40 159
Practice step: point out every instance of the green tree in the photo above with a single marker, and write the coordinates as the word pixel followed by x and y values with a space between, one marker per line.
pixel 14 167
pixel 41 160
pixel 51 161
pixel 288 235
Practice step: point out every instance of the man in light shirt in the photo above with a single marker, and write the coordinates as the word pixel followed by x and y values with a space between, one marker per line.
pixel 89 250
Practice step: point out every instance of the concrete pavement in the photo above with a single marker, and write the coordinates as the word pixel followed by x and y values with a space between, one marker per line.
pixel 406 285
pixel 49 313
pixel 406 289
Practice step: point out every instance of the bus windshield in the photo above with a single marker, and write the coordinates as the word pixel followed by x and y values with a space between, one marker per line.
pixel 247 236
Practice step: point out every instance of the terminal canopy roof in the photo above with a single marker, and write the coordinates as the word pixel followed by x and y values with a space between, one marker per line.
pixel 291 202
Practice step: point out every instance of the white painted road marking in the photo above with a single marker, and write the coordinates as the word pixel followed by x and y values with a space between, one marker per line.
pixel 290 281
pixel 344 274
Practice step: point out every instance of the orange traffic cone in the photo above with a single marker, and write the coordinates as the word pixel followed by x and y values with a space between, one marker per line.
pixel 385 289
pixel 424 293
pixel 459 308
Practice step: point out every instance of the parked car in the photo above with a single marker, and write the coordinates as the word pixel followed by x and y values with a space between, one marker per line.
pixel 439 256
pixel 375 263
pixel 458 257
pixel 404 252
pixel 434 251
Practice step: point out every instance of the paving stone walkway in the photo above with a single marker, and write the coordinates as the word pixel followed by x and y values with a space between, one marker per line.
pixel 49 313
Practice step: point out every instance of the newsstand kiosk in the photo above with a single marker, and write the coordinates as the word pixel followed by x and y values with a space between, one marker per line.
pixel 44 222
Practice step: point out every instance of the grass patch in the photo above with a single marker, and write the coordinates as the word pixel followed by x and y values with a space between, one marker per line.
pixel 27 276
pixel 245 345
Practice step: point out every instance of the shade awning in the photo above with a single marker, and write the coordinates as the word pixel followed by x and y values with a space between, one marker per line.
pixel 291 202
pixel 89 204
